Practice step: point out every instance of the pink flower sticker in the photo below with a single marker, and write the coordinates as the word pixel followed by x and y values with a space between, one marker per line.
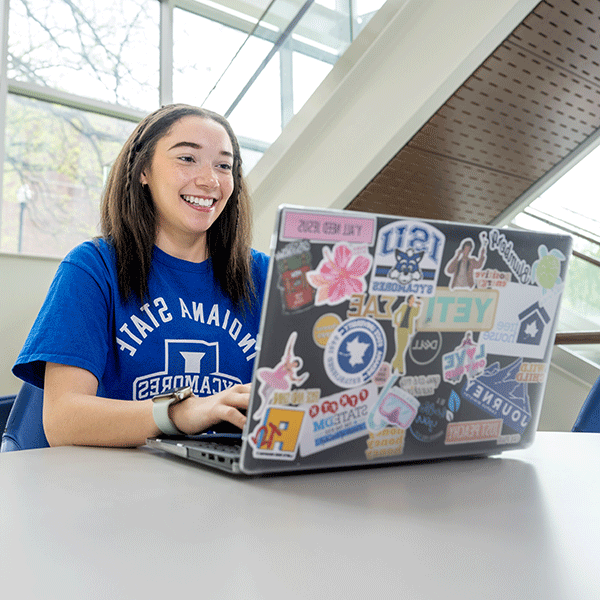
pixel 339 275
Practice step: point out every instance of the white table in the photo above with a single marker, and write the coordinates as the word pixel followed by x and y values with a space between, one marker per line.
pixel 86 523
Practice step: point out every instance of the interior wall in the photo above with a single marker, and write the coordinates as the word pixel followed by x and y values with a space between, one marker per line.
pixel 25 281
pixel 356 121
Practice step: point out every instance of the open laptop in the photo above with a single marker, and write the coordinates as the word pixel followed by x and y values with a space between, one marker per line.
pixel 387 339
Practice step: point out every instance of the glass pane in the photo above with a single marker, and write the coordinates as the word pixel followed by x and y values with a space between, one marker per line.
pixel 249 158
pixel 308 74
pixel 572 205
pixel 258 115
pixel 56 162
pixel 365 9
pixel 234 79
pixel 105 50
pixel 202 49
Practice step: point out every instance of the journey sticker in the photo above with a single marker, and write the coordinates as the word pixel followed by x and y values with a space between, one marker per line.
pixel 319 227
pixel 337 419
pixel 499 392
pixel 461 267
pixel 354 352
pixel 448 310
pixel 523 322
pixel 340 274
pixel 466 359
pixel 277 436
pixel 469 432
pixel 407 259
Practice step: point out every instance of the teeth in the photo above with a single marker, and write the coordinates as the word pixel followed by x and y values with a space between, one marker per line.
pixel 204 202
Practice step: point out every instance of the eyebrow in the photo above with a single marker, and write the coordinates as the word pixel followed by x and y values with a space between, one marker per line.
pixel 197 147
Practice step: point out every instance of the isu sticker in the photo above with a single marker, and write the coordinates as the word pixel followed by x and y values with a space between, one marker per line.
pixel 473 431
pixel 354 352
pixel 407 259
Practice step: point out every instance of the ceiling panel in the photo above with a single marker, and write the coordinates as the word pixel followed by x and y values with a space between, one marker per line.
pixel 526 108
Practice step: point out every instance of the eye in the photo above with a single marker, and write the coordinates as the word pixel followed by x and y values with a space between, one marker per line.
pixel 187 158
pixel 225 166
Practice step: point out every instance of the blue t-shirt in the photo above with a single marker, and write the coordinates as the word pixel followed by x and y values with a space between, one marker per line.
pixel 187 332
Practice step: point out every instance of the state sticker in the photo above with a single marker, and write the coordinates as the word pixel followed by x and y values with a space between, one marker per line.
pixel 354 352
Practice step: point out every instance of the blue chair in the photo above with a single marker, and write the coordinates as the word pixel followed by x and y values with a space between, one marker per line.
pixel 24 428
pixel 589 416
pixel 6 403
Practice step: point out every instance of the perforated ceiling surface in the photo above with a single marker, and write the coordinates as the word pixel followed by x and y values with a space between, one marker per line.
pixel 526 108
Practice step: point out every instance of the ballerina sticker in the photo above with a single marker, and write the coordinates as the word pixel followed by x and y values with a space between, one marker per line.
pixel 282 377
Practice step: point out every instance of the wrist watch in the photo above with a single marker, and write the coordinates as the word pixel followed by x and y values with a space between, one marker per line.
pixel 160 408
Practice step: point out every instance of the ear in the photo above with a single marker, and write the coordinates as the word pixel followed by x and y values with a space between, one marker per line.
pixel 143 178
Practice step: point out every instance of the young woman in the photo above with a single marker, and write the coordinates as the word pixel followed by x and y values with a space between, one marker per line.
pixel 169 297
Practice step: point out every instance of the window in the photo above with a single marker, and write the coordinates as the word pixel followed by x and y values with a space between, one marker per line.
pixel 79 75
pixel 572 206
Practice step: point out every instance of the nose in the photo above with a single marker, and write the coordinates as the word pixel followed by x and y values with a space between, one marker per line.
pixel 206 177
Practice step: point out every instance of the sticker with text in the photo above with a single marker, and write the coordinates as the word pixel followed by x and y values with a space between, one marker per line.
pixel 466 359
pixel 499 392
pixel 319 227
pixel 420 385
pixel 425 347
pixel 354 352
pixel 473 310
pixel 491 278
pixel 337 419
pixel 407 259
pixel 523 322
pixel 385 443
pixel 469 432
pixel 433 417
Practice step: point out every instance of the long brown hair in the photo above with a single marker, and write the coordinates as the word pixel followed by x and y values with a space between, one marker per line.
pixel 129 221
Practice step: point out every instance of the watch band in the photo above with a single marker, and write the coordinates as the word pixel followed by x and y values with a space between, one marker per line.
pixel 160 409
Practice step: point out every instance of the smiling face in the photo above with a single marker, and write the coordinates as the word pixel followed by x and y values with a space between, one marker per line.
pixel 190 180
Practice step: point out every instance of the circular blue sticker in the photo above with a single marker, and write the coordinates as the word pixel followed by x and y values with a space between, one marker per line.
pixel 354 352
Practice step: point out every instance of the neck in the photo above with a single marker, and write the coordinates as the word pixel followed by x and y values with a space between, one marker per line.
pixel 190 249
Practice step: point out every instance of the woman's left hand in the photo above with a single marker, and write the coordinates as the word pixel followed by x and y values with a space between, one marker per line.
pixel 197 414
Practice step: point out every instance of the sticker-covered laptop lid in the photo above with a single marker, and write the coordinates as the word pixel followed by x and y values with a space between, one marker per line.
pixel 387 339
